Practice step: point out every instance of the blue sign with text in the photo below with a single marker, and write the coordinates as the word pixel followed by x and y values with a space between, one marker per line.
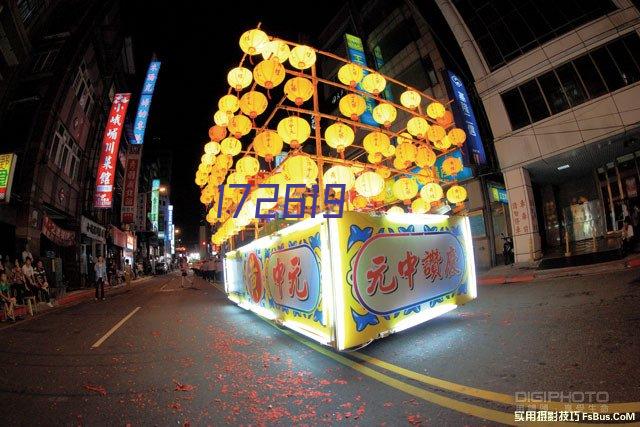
pixel 144 105
pixel 466 119
pixel 356 55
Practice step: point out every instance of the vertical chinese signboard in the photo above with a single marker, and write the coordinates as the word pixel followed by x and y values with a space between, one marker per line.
pixel 155 204
pixel 170 231
pixel 132 166
pixel 109 155
pixel 142 114
pixel 355 51
pixel 7 168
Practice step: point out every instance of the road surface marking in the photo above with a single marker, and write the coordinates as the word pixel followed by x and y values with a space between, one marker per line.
pixel 115 328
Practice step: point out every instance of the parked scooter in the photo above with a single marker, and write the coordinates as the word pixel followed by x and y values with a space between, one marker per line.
pixel 507 249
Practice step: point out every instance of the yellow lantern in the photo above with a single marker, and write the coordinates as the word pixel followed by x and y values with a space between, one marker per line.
pixel 456 194
pixel 229 104
pixel 230 146
pixel 339 136
pixel 269 73
pixel 352 106
pixel 294 131
pixel 235 178
pixel 212 147
pixel 436 133
pixel 267 144
pixel 425 176
pixel 301 169
pixel 357 168
pixel 239 125
pixel 442 144
pixel 407 152
pixel 419 206
pixel 376 142
pixel 431 192
pixel 217 133
pixel 384 172
pixel 350 74
pixel 404 137
pixel 457 136
pixel 435 110
pixel 205 168
pixel 446 119
pixel 385 114
pixel 252 41
pixel 302 57
pixel 247 166
pixel 374 158
pixel 265 193
pixel 224 161
pixel 400 164
pixel 239 78
pixel 281 180
pixel 369 184
pixel 417 126
pixel 410 99
pixel 451 166
pixel 339 174
pixel 276 49
pixel 253 103
pixel 395 210
pixel 359 202
pixel 221 118
pixel 298 90
pixel 390 151
pixel 208 159
pixel 374 83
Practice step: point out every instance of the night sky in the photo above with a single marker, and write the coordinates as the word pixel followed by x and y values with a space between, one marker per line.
pixel 197 42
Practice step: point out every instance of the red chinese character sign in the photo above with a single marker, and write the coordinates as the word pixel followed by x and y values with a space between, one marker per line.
pixel 130 192
pixel 293 278
pixel 56 234
pixel 109 154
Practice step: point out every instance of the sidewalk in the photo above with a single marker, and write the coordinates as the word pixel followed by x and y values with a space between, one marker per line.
pixel 71 298
pixel 506 274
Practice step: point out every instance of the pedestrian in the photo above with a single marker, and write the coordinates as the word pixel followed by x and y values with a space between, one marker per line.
pixel 128 272
pixel 101 277
pixel 184 268
pixel 42 283
pixel 6 298
pixel 219 269
pixel 628 239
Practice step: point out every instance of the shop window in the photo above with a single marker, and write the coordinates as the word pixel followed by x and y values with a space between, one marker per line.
pixel 516 109
pixel 572 85
pixel 534 101
pixel 590 76
pixel 628 69
pixel 553 92
pixel 607 68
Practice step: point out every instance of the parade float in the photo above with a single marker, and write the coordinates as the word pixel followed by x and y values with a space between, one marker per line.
pixel 324 197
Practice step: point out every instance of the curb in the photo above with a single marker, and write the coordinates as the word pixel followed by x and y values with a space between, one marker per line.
pixel 505 280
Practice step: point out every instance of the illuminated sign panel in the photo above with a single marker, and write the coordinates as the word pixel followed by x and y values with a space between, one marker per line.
pixel 108 157
pixel 355 51
pixel 129 198
pixel 155 202
pixel 142 114
pixel 7 168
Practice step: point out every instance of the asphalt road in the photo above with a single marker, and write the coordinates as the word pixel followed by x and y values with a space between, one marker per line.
pixel 190 356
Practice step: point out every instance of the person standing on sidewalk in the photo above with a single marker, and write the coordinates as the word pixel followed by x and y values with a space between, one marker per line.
pixel 42 283
pixel 128 272
pixel 101 277
pixel 184 268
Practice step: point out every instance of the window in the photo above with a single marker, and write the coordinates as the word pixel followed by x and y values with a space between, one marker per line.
pixel 534 101
pixel 399 37
pixel 573 87
pixel 627 66
pixel 43 61
pixel 553 92
pixel 65 153
pixel 590 76
pixel 83 89
pixel 29 9
pixel 607 68
pixel 505 29
pixel 516 109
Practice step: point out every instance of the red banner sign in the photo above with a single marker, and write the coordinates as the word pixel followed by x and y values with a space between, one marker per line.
pixel 129 198
pixel 118 237
pixel 109 155
pixel 57 235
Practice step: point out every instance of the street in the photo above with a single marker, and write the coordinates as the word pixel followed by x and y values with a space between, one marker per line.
pixel 190 356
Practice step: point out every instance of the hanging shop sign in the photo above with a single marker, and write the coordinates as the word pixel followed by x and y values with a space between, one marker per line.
pixel 345 281
pixel 144 105
pixel 498 194
pixel 170 230
pixel 130 192
pixel 108 157
pixel 155 203
pixel 93 230
pixel 56 234
pixel 355 52
pixel 7 169
pixel 118 237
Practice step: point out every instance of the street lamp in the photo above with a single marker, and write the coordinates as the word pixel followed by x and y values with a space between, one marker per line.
pixel 163 189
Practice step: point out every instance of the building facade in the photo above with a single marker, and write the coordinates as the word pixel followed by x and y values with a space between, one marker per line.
pixel 560 84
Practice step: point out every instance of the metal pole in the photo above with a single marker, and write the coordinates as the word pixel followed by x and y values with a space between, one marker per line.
pixel 318 136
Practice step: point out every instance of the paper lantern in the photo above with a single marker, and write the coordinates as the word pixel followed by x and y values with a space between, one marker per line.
pixel 385 114
pixel 374 83
pixel 350 74
pixel 451 166
pixel 404 137
pixel 212 147
pixel 410 99
pixel 203 167
pixel 390 151
pixel 339 136
pixel 267 144
pixel 248 166
pixel 239 78
pixel 281 180
pixel 456 194
pixel 435 110
pixel 400 164
pixel 294 130
pixel 395 210
pixel 436 133
pixel 276 49
pixel 221 118
pixel 376 142
pixel 431 192
pixel 298 90
pixel 357 168
pixel 406 151
pixel 239 125
pixel 339 174
pixel 418 127
pixel 302 57
pixel 369 184
pixel 425 176
pixel 269 73
pixel 442 144
pixel 224 161
pixel 252 41
pixel 301 170
pixel 457 136
pixel 208 159
pixel 446 119
pixel 419 206
pixel 265 193
pixel 253 103
pixel 230 146
pixel 235 178
pixel 229 104
pixel 217 133
pixel 359 202
pixel 352 106
pixel 374 158
pixel 384 172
